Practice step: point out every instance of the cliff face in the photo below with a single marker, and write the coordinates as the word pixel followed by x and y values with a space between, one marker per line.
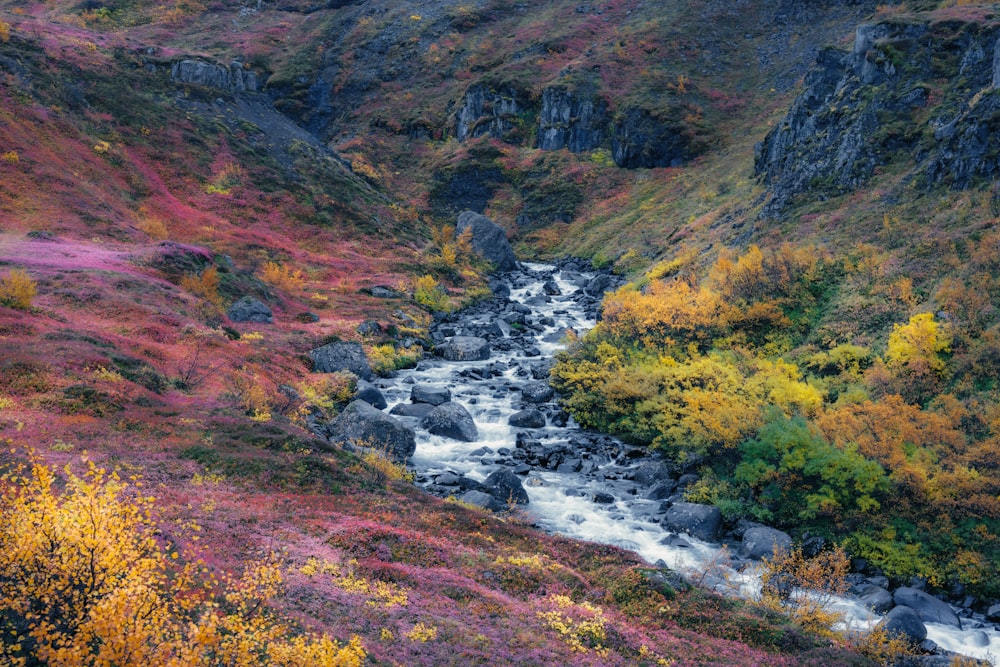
pixel 921 97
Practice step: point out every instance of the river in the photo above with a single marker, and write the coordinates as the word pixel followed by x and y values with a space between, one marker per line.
pixel 589 496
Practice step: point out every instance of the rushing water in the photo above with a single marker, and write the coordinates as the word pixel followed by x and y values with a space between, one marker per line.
pixel 563 502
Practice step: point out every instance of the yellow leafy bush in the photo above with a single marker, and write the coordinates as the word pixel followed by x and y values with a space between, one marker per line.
pixel 4 32
pixel 804 587
pixel 86 582
pixel 284 277
pixel 205 285
pixel 17 289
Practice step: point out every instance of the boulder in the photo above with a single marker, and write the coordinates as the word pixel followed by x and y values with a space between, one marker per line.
pixel 360 424
pixel 482 499
pixel 903 622
pixel 369 328
pixel 872 596
pixel 537 392
pixel 701 521
pixel 369 393
pixel 762 542
pixel 489 241
pixel 451 420
pixel 341 356
pixel 651 473
pixel 465 348
pixel 423 393
pixel 506 487
pixel 527 419
pixel 928 607
pixel 418 410
pixel 250 309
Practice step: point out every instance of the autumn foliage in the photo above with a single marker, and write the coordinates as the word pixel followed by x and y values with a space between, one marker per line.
pixel 879 440
pixel 88 581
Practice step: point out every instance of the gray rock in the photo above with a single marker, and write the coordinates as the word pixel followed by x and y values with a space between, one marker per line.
pixel 701 521
pixel 250 309
pixel 651 473
pixel 928 607
pixel 369 393
pixel 362 425
pixel 418 410
pixel 537 392
pixel 874 597
pixel 465 348
pixel 383 292
pixel 640 140
pixel 482 499
pixel 762 542
pixel 451 420
pixel 488 111
pixel 234 79
pixel 488 240
pixel 423 393
pixel 602 498
pixel 569 121
pixel 341 356
pixel 904 622
pixel 369 328
pixel 506 487
pixel 527 419
pixel 993 613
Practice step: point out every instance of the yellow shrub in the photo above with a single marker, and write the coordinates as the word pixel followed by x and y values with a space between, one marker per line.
pixel 275 274
pixel 87 583
pixel 17 289
pixel 205 285
pixel 4 32
pixel 10 157
pixel 153 228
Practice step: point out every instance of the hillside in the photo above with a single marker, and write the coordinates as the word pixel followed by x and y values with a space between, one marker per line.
pixel 805 208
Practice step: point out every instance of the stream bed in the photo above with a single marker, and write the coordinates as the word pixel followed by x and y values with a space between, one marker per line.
pixel 579 484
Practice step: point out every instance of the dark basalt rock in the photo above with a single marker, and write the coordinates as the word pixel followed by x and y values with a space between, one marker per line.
pixel 423 393
pixel 527 419
pixel 701 521
pixel 929 608
pixel 341 356
pixel 451 420
pixel 369 393
pixel 362 425
pixel 250 309
pixel 904 622
pixel 489 240
pixel 506 487
pixel 762 542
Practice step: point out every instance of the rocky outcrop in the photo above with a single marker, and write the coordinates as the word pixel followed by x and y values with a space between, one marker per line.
pixel 361 425
pixel 867 107
pixel 488 240
pixel 233 79
pixel 640 140
pixel 341 356
pixel 567 120
pixel 486 110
